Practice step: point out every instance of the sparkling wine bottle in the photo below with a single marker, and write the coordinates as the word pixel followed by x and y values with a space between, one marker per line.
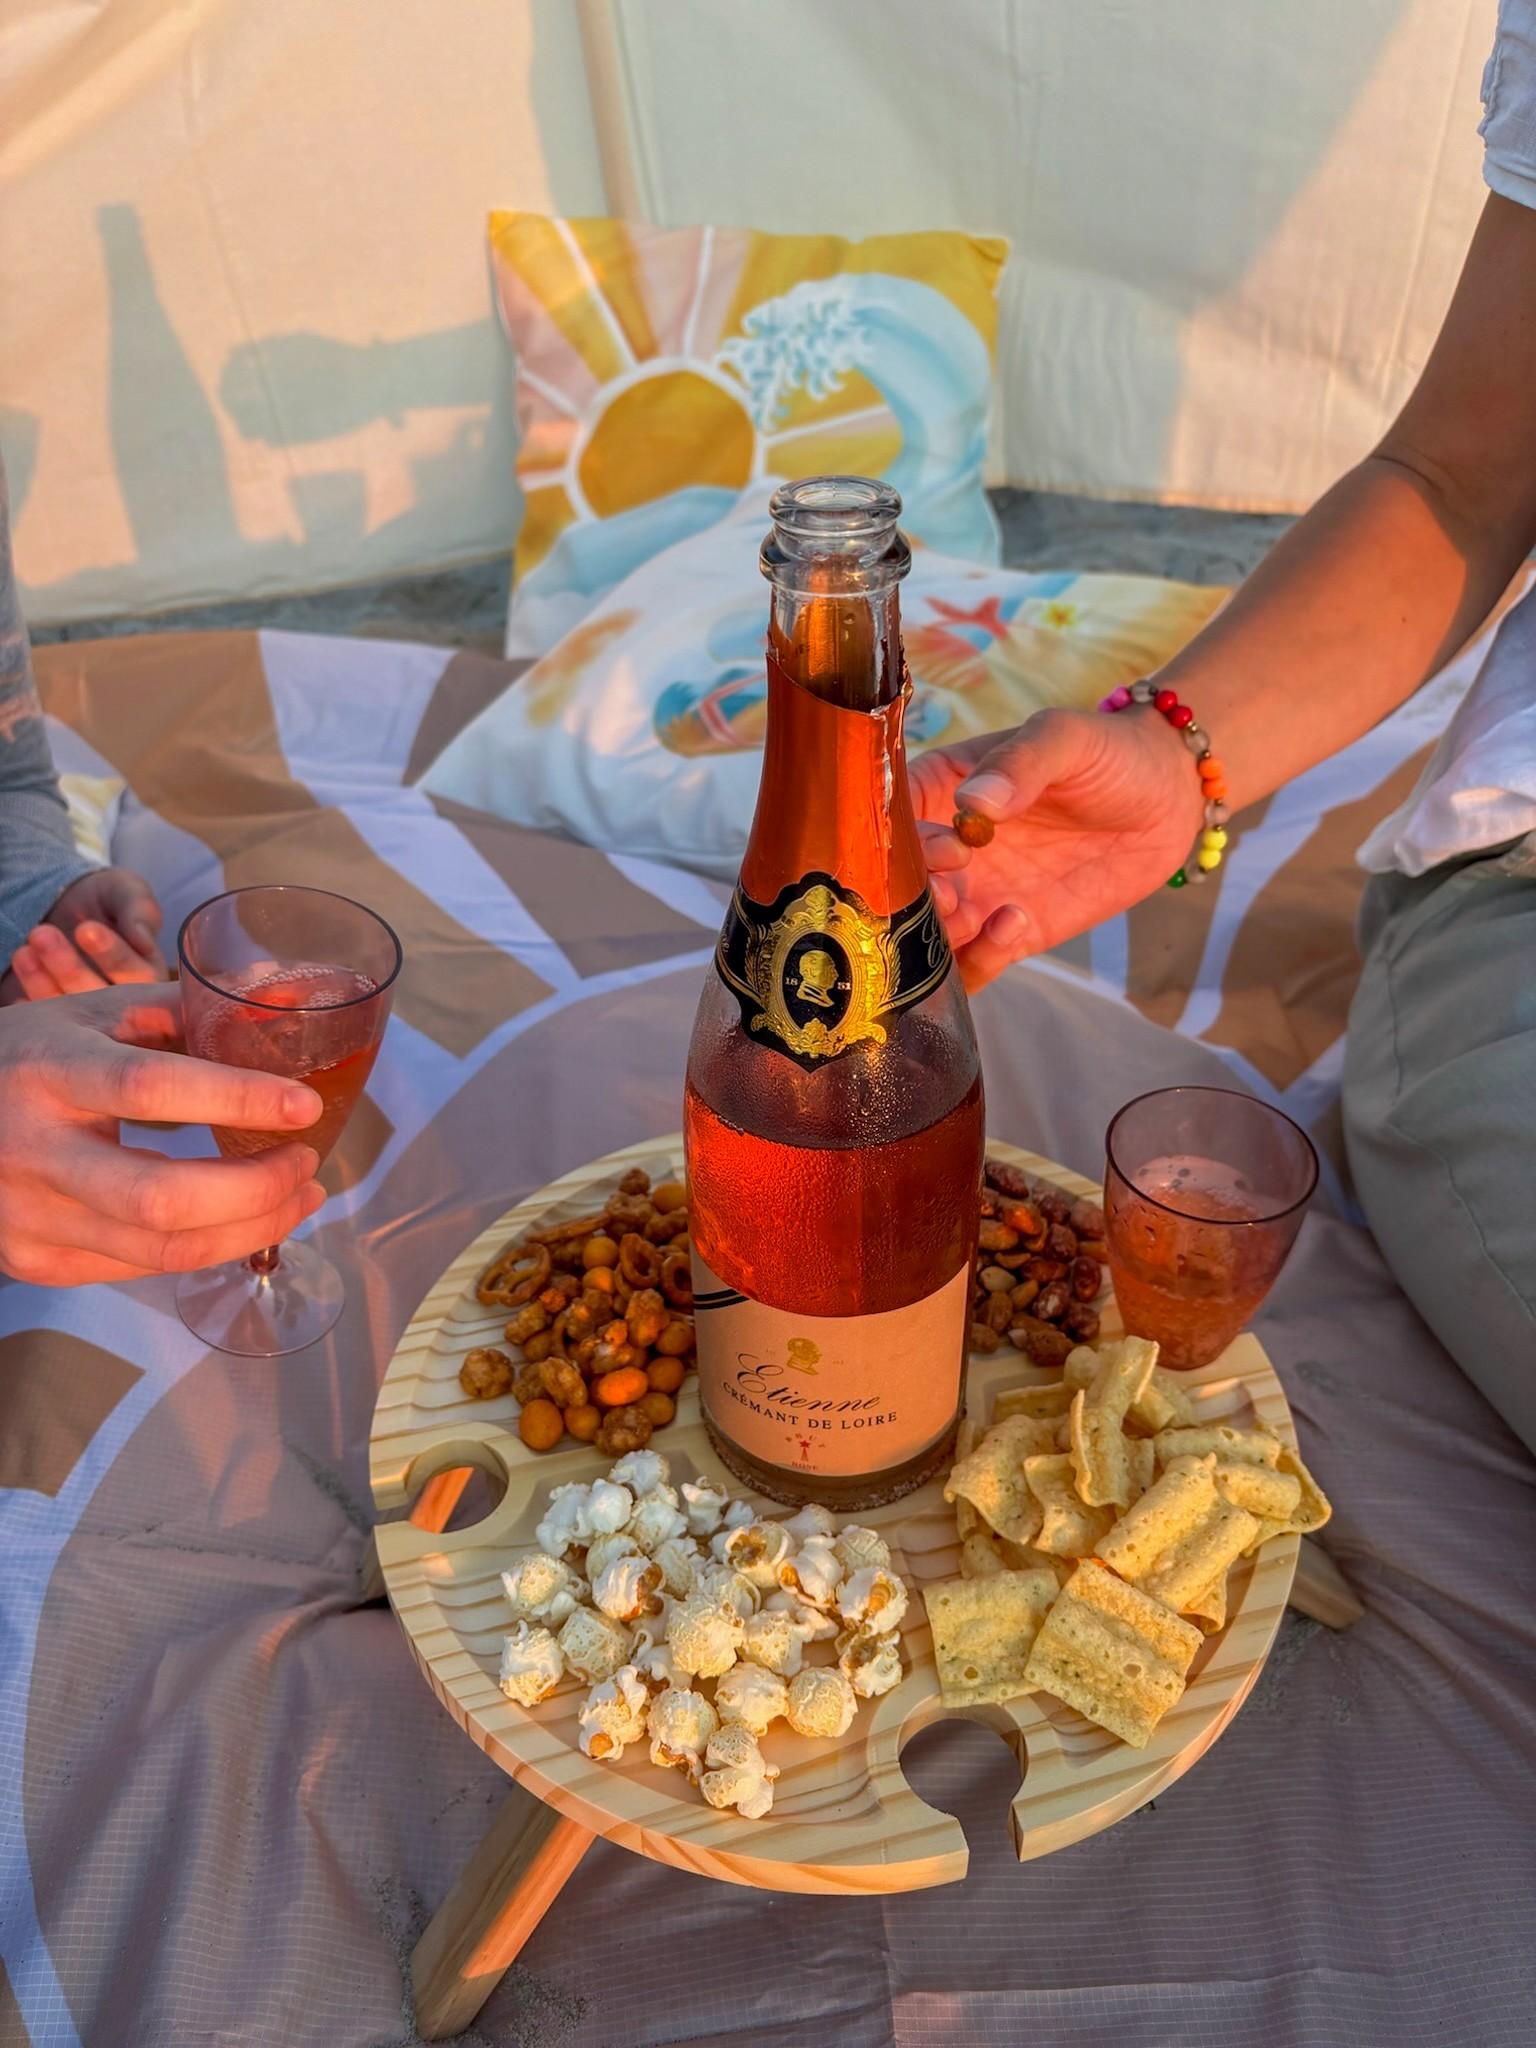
pixel 833 1120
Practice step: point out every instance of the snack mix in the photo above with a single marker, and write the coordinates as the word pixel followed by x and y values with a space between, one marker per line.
pixel 600 1312
pixel 1098 1522
pixel 688 1617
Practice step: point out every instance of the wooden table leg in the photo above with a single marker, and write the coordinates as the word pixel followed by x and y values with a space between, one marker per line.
pixel 1321 1590
pixel 506 1888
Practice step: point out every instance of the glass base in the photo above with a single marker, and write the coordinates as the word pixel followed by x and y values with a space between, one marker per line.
pixel 263 1315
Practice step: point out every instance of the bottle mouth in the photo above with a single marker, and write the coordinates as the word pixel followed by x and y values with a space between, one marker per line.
pixel 847 521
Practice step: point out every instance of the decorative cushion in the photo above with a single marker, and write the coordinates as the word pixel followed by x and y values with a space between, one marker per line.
pixel 663 372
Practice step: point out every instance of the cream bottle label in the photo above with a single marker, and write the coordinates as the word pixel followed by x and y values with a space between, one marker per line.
pixel 833 1395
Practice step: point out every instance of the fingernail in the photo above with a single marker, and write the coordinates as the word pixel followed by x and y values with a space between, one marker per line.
pixel 301 1105
pixel 1010 927
pixel 92 935
pixel 989 792
pixel 944 896
pixel 314 1198
pixel 141 937
pixel 309 1162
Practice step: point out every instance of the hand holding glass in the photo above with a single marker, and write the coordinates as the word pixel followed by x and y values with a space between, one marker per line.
pixel 296 982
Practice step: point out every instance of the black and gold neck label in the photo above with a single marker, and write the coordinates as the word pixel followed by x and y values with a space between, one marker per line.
pixel 817 971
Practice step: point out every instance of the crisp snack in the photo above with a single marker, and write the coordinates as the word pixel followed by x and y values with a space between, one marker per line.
pixel 1047 1402
pixel 1111 1652
pixel 1242 1446
pixel 1068 1526
pixel 982 1633
pixel 1208 1609
pixel 1314 1508
pixel 967 1437
pixel 1272 1496
pixel 992 1477
pixel 1179 1536
pixel 1161 1404
pixel 1266 1531
pixel 1100 1455
pixel 981 1555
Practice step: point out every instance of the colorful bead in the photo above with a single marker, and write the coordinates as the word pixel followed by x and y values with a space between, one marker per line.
pixel 1213 786
pixel 1216 792
pixel 1194 738
pixel 1208 857
pixel 1217 814
pixel 1164 701
pixel 1141 692
pixel 1180 716
pixel 1213 838
pixel 1116 700
pixel 1177 881
pixel 1210 769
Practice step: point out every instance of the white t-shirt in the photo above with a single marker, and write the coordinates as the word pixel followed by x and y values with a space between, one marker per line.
pixel 1478 788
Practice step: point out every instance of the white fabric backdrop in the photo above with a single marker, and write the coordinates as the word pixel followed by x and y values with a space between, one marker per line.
pixel 245 341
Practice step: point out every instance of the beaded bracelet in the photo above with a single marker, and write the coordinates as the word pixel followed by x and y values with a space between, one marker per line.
pixel 1213 785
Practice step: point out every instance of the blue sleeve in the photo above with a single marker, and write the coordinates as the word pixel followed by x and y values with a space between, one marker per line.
pixel 1509 105
pixel 38 859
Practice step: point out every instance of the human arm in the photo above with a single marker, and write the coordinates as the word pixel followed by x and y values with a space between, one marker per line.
pixel 1365 597
pixel 77 1205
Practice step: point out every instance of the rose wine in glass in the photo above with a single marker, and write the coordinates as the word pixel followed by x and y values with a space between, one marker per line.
pixel 833 1116
pixel 1204 1192
pixel 296 982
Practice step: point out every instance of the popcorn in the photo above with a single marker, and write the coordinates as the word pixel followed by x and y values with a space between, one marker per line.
pixel 718 1581
pixel 542 1588
pixel 814 1572
pixel 773 1639
pixel 651 1655
pixel 613 1714
pixel 739 1514
pixel 738 1773
pixel 754 1697
pixel 704 1506
pixel 703 1636
pixel 531 1665
pixel 593 1646
pixel 609 1507
pixel 811 1624
pixel 813 1520
pixel 681 1723
pixel 679 1560
pixel 870 1663
pixel 873 1599
pixel 602 1550
pixel 565 1523
pixel 657 1519
pixel 641 1471
pixel 756 1552
pixel 857 1549
pixel 627 1587
pixel 821 1702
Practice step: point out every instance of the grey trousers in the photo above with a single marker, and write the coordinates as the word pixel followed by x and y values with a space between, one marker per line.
pixel 1440 1108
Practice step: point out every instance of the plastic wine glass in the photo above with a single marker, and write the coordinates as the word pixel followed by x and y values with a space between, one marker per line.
pixel 1204 1192
pixel 296 982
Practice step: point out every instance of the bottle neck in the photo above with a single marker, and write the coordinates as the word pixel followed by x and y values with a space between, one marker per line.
pixel 834 798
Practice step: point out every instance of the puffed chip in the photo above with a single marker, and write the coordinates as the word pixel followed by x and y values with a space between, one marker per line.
pixel 1161 1404
pixel 1314 1508
pixel 1208 1608
pixel 1272 1496
pixel 1113 1653
pixel 1179 1535
pixel 1266 1530
pixel 1046 1402
pixel 1240 1446
pixel 1069 1527
pixel 982 1633
pixel 992 1477
pixel 967 1437
pixel 980 1556
pixel 1100 1454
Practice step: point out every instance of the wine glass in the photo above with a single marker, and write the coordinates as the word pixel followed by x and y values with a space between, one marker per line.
pixel 296 982
pixel 1204 1192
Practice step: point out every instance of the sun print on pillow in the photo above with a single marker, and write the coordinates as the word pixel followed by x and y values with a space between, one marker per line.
pixel 663 375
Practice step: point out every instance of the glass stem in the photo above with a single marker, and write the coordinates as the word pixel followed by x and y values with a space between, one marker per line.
pixel 265 1262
